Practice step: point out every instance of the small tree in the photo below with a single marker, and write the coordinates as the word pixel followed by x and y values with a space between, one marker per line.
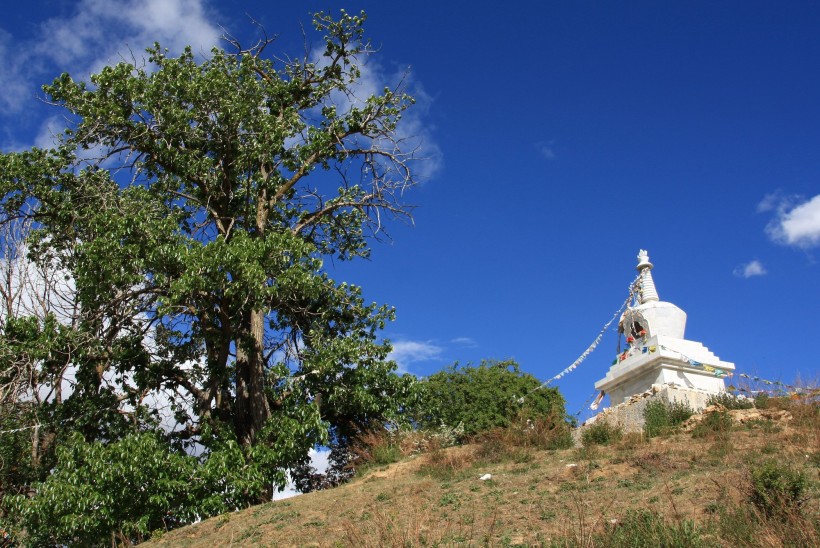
pixel 482 397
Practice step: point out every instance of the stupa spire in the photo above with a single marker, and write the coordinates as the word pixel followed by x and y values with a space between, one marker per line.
pixel 647 284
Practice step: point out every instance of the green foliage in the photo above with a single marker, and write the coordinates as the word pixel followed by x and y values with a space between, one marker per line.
pixel 16 468
pixel 600 433
pixel 730 401
pixel 647 528
pixel 194 243
pixel 713 424
pixel 777 488
pixel 661 417
pixel 483 397
pixel 97 492
pixel 129 488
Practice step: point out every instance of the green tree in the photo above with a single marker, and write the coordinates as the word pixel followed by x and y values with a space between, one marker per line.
pixel 193 204
pixel 485 396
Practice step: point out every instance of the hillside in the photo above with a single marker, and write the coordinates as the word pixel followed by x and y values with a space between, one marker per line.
pixel 692 487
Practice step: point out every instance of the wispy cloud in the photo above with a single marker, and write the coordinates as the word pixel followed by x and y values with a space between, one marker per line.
pixel 405 353
pixel 414 134
pixel 796 222
pixel 772 201
pixel 13 79
pixel 97 33
pixel 464 341
pixel 546 149
pixel 750 269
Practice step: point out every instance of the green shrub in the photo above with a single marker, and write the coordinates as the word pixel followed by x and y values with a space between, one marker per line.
pixel 661 417
pixel 777 488
pixel 730 401
pixel 600 433
pixel 490 395
pixel 713 424
pixel 679 412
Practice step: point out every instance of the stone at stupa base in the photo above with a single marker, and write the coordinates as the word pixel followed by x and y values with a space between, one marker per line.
pixel 629 415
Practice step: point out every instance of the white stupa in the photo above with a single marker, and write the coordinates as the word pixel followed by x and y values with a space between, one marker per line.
pixel 657 352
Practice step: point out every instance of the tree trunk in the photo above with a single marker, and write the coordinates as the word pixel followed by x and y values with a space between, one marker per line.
pixel 252 408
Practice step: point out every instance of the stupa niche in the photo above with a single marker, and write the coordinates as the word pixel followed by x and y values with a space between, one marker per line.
pixel 657 352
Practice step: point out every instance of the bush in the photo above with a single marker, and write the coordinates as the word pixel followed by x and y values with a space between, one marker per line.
pixel 730 401
pixel 600 433
pixel 777 488
pixel 481 398
pixel 661 417
pixel 713 424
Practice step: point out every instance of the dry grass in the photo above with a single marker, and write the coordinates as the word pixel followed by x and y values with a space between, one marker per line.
pixel 679 490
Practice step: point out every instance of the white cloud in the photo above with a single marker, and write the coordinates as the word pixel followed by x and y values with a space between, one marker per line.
pixel 795 224
pixel 119 29
pixel 749 270
pixel 97 33
pixel 405 353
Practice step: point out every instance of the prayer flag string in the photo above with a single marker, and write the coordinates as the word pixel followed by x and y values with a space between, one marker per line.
pixel 597 340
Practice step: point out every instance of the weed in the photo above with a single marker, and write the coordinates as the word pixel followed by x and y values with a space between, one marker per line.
pixel 777 488
pixel 730 401
pixel 652 462
pixel 587 453
pixel 661 417
pixel 631 441
pixel 600 433
pixel 745 525
pixel 720 449
pixel 713 424
pixel 492 448
pixel 251 533
pixel 769 448
pixel 646 528
pixel 449 499
pixel 445 464
pixel 222 520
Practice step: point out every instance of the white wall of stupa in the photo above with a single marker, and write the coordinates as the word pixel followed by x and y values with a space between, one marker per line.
pixel 657 352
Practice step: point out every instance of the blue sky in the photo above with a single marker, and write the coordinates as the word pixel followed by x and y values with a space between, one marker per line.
pixel 563 137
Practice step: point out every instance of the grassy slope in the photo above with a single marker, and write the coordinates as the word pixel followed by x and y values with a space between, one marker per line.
pixel 534 498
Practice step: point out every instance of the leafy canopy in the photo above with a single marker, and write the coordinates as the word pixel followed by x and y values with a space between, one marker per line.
pixel 192 204
pixel 485 396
